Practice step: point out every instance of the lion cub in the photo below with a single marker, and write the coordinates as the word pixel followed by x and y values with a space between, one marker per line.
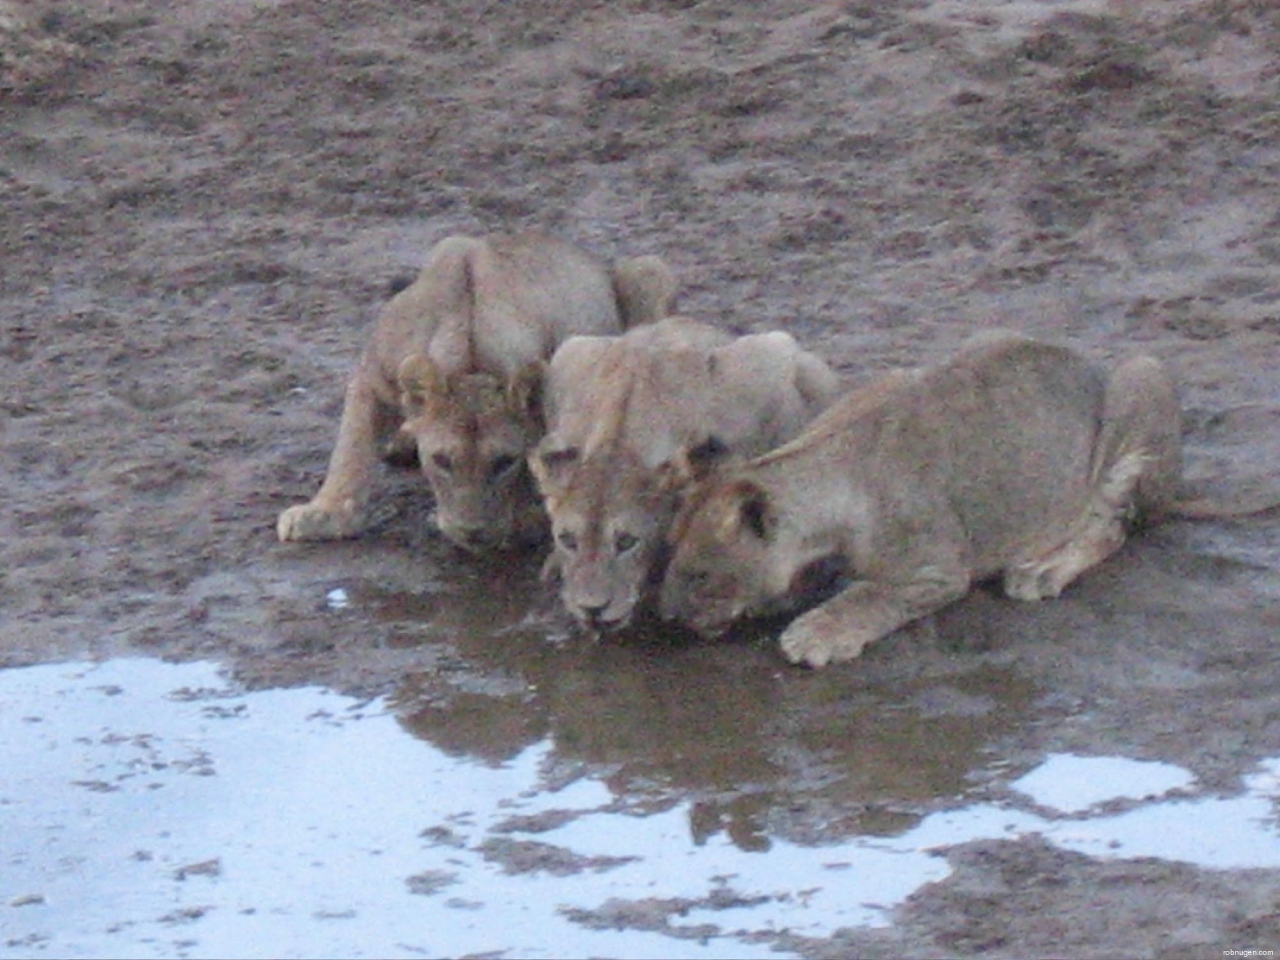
pixel 1016 458
pixel 624 414
pixel 450 366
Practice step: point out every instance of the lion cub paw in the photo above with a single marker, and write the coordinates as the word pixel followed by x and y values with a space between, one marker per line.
pixel 1030 583
pixel 308 521
pixel 1047 577
pixel 816 639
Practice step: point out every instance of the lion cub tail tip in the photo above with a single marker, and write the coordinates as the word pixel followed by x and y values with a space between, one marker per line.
pixel 1212 508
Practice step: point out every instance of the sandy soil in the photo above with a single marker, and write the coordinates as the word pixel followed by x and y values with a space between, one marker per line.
pixel 204 204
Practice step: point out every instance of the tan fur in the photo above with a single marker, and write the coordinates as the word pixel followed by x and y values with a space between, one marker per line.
pixel 1016 459
pixel 625 415
pixel 449 371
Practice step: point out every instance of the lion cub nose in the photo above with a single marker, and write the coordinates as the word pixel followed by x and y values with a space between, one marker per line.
pixel 593 616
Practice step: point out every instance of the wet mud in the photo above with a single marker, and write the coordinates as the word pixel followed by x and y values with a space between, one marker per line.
pixel 220 745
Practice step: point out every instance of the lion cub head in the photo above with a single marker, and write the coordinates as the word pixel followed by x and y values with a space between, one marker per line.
pixel 472 432
pixel 728 557
pixel 609 520
pixel 607 526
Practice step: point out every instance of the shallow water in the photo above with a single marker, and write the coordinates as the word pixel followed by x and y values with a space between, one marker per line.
pixel 153 809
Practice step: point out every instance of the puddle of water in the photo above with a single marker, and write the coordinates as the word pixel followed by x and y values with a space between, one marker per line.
pixel 1071 784
pixel 723 725
pixel 1232 833
pixel 151 810
pixel 156 810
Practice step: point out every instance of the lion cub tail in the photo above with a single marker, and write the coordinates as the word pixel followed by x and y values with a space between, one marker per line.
pixel 1213 508
pixel 645 289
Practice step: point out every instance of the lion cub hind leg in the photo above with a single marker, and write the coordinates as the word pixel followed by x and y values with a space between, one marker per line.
pixel 866 611
pixel 1137 464
pixel 1098 533
pixel 1141 418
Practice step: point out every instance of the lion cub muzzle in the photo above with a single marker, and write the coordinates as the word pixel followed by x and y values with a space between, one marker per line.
pixel 597 598
pixel 494 512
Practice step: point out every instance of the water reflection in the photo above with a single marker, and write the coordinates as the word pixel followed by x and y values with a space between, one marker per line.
pixel 1070 784
pixel 157 810
pixel 757 749
pixel 154 810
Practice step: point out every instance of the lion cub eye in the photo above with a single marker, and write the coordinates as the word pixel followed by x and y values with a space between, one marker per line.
pixel 624 542
pixel 443 461
pixel 696 579
pixel 567 540
pixel 502 465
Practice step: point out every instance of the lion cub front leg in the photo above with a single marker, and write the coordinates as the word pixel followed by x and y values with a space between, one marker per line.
pixel 340 509
pixel 866 611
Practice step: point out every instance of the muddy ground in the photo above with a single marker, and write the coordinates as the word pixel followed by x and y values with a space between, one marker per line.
pixel 204 203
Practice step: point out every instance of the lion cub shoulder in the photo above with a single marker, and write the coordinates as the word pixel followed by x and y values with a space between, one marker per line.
pixel 448 373
pixel 627 415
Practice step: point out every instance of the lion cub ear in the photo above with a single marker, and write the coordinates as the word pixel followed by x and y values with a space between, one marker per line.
pixel 692 463
pixel 524 391
pixel 750 510
pixel 420 380
pixel 552 465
